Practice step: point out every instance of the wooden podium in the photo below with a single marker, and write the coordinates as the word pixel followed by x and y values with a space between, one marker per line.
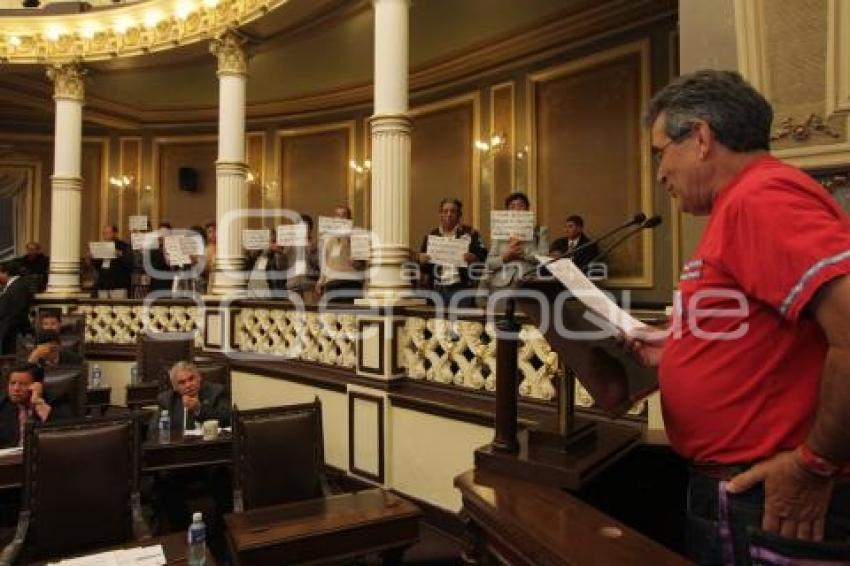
pixel 581 446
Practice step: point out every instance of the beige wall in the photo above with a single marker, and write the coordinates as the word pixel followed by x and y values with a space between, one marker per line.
pixel 314 172
pixel 441 164
pixel 589 151
pixel 184 208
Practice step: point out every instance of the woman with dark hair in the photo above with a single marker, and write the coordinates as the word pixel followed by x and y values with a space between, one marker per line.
pixel 511 259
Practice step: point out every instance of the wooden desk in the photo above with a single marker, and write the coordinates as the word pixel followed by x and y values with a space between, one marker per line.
pixel 174 546
pixel 181 452
pixel 98 400
pixel 319 530
pixel 519 522
pixel 186 452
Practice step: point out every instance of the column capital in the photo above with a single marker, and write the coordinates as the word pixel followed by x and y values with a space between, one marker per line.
pixel 67 81
pixel 228 49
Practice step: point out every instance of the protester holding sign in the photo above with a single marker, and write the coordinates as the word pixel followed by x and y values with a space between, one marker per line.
pixel 113 273
pixel 265 263
pixel 512 253
pixel 339 269
pixel 450 277
pixel 302 257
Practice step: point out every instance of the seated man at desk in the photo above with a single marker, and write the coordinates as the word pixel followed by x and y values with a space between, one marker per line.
pixel 24 400
pixel 48 351
pixel 191 400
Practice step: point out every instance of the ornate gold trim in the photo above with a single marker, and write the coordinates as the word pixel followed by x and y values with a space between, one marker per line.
pixel 789 129
pixel 837 57
pixel 144 27
pixel 229 50
pixel 67 81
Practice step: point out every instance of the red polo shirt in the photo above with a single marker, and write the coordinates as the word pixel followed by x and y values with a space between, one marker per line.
pixel 740 373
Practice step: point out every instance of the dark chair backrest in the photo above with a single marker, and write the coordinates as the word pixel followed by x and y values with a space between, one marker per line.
pixel 68 385
pixel 214 371
pixel 80 488
pixel 158 351
pixel 278 455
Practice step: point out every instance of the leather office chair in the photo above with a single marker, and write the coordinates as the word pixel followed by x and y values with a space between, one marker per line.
pixel 214 371
pixel 156 353
pixel 278 455
pixel 68 385
pixel 80 489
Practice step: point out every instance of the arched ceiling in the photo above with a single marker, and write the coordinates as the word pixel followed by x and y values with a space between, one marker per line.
pixel 304 49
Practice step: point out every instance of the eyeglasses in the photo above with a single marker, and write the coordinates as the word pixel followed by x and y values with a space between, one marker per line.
pixel 658 152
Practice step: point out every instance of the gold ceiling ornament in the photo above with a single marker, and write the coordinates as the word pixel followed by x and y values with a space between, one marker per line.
pixel 135 29
pixel 228 49
pixel 67 81
pixel 790 129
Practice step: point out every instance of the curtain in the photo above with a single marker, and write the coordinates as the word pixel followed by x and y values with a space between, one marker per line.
pixel 15 184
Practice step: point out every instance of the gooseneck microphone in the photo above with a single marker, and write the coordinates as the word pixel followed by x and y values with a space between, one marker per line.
pixel 638 218
pixel 650 223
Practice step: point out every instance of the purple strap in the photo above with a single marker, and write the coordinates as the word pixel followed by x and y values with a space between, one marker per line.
pixel 723 524
pixel 759 554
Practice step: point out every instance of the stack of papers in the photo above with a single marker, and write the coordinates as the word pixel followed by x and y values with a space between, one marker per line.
pixel 593 298
pixel 141 556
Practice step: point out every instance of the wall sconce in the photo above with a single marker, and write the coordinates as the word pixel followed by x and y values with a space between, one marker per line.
pixel 360 168
pixel 121 182
pixel 498 142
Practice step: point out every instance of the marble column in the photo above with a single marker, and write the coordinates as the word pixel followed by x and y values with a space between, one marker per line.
pixel 230 167
pixel 390 195
pixel 66 182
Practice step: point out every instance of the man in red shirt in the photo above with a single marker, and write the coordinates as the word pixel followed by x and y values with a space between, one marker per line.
pixel 754 371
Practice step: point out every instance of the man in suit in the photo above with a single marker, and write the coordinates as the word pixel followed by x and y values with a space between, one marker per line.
pixel 114 275
pixel 449 280
pixel 36 264
pixel 24 400
pixel 48 351
pixel 191 400
pixel 15 299
pixel 574 238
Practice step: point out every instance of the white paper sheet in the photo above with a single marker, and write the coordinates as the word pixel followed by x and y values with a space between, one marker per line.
pixel 256 239
pixel 144 240
pixel 102 250
pixel 447 251
pixel 507 224
pixel 590 295
pixel 335 226
pixel 361 245
pixel 294 235
pixel 139 222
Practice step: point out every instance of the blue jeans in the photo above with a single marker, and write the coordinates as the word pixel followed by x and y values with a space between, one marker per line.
pixel 705 544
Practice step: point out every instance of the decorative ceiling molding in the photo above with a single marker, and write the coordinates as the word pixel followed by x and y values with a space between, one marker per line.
pixel 144 27
pixel 551 37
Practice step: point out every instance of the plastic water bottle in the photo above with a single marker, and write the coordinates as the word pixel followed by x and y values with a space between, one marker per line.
pixel 197 536
pixel 164 427
pixel 134 375
pixel 96 377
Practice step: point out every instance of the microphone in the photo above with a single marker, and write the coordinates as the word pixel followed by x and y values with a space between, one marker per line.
pixel 650 222
pixel 638 218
